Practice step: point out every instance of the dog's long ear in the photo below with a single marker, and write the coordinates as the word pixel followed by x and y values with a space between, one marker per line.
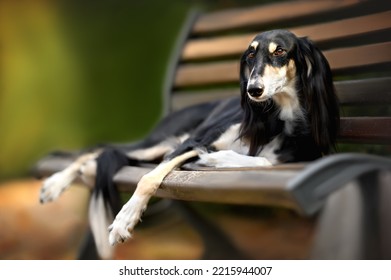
pixel 318 94
pixel 244 75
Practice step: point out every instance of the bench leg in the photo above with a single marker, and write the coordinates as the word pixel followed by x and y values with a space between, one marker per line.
pixel 217 245
pixel 369 187
pixel 353 223
pixel 385 214
pixel 338 231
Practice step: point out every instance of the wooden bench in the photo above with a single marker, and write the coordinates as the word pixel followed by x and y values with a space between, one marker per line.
pixel 355 37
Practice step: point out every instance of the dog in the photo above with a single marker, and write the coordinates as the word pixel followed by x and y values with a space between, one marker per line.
pixel 287 111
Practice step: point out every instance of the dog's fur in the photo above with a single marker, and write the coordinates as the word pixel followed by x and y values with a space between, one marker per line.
pixel 287 112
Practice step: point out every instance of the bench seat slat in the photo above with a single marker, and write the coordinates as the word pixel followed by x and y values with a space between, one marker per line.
pixel 257 187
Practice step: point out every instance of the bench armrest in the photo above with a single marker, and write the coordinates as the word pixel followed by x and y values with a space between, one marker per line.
pixel 303 188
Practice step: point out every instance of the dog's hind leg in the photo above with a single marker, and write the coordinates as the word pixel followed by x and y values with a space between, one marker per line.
pixel 131 212
pixel 56 184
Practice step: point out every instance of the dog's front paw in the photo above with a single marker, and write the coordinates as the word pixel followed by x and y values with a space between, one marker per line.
pixel 126 220
pixel 54 185
pixel 119 233
pixel 230 159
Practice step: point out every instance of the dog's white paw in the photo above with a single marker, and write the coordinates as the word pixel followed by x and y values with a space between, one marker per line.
pixel 88 172
pixel 54 185
pixel 126 220
pixel 230 159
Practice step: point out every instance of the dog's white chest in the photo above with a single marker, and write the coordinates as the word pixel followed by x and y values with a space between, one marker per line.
pixel 229 140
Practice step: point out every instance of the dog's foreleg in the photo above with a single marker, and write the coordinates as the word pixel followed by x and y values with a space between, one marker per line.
pixel 57 183
pixel 87 173
pixel 231 159
pixel 131 212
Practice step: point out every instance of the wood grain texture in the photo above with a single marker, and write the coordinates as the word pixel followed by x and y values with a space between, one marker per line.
pixel 236 18
pixel 221 46
pixel 257 187
pixel 372 130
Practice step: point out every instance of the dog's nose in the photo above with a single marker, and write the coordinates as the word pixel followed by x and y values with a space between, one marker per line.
pixel 255 91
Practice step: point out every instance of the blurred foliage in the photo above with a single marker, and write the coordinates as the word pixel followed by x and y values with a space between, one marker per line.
pixel 75 73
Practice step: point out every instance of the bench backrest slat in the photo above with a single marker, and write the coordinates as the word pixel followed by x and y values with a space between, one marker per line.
pixel 266 14
pixel 372 130
pixel 373 91
pixel 220 46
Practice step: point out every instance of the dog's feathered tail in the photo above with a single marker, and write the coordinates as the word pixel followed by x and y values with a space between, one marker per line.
pixel 105 200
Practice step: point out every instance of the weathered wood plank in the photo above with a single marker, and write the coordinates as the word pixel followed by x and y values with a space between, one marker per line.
pixel 51 164
pixel 364 92
pixel 208 73
pixel 221 46
pixel 375 130
pixel 359 56
pixel 257 187
pixel 345 28
pixel 265 14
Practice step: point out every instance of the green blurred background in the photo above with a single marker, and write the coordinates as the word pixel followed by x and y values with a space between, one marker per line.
pixel 75 73
pixel 78 73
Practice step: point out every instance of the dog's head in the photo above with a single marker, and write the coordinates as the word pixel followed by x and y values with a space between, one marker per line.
pixel 268 66
pixel 293 74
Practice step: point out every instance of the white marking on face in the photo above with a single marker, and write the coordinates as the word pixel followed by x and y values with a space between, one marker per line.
pixel 253 79
pixel 272 47
pixel 254 44
pixel 285 95
pixel 279 83
pixel 276 80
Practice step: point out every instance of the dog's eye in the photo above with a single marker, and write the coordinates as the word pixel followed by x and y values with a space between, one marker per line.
pixel 279 51
pixel 251 55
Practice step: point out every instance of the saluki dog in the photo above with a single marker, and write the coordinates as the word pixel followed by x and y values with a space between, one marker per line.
pixel 287 111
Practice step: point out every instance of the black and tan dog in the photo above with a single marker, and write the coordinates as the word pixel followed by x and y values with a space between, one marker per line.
pixel 287 111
